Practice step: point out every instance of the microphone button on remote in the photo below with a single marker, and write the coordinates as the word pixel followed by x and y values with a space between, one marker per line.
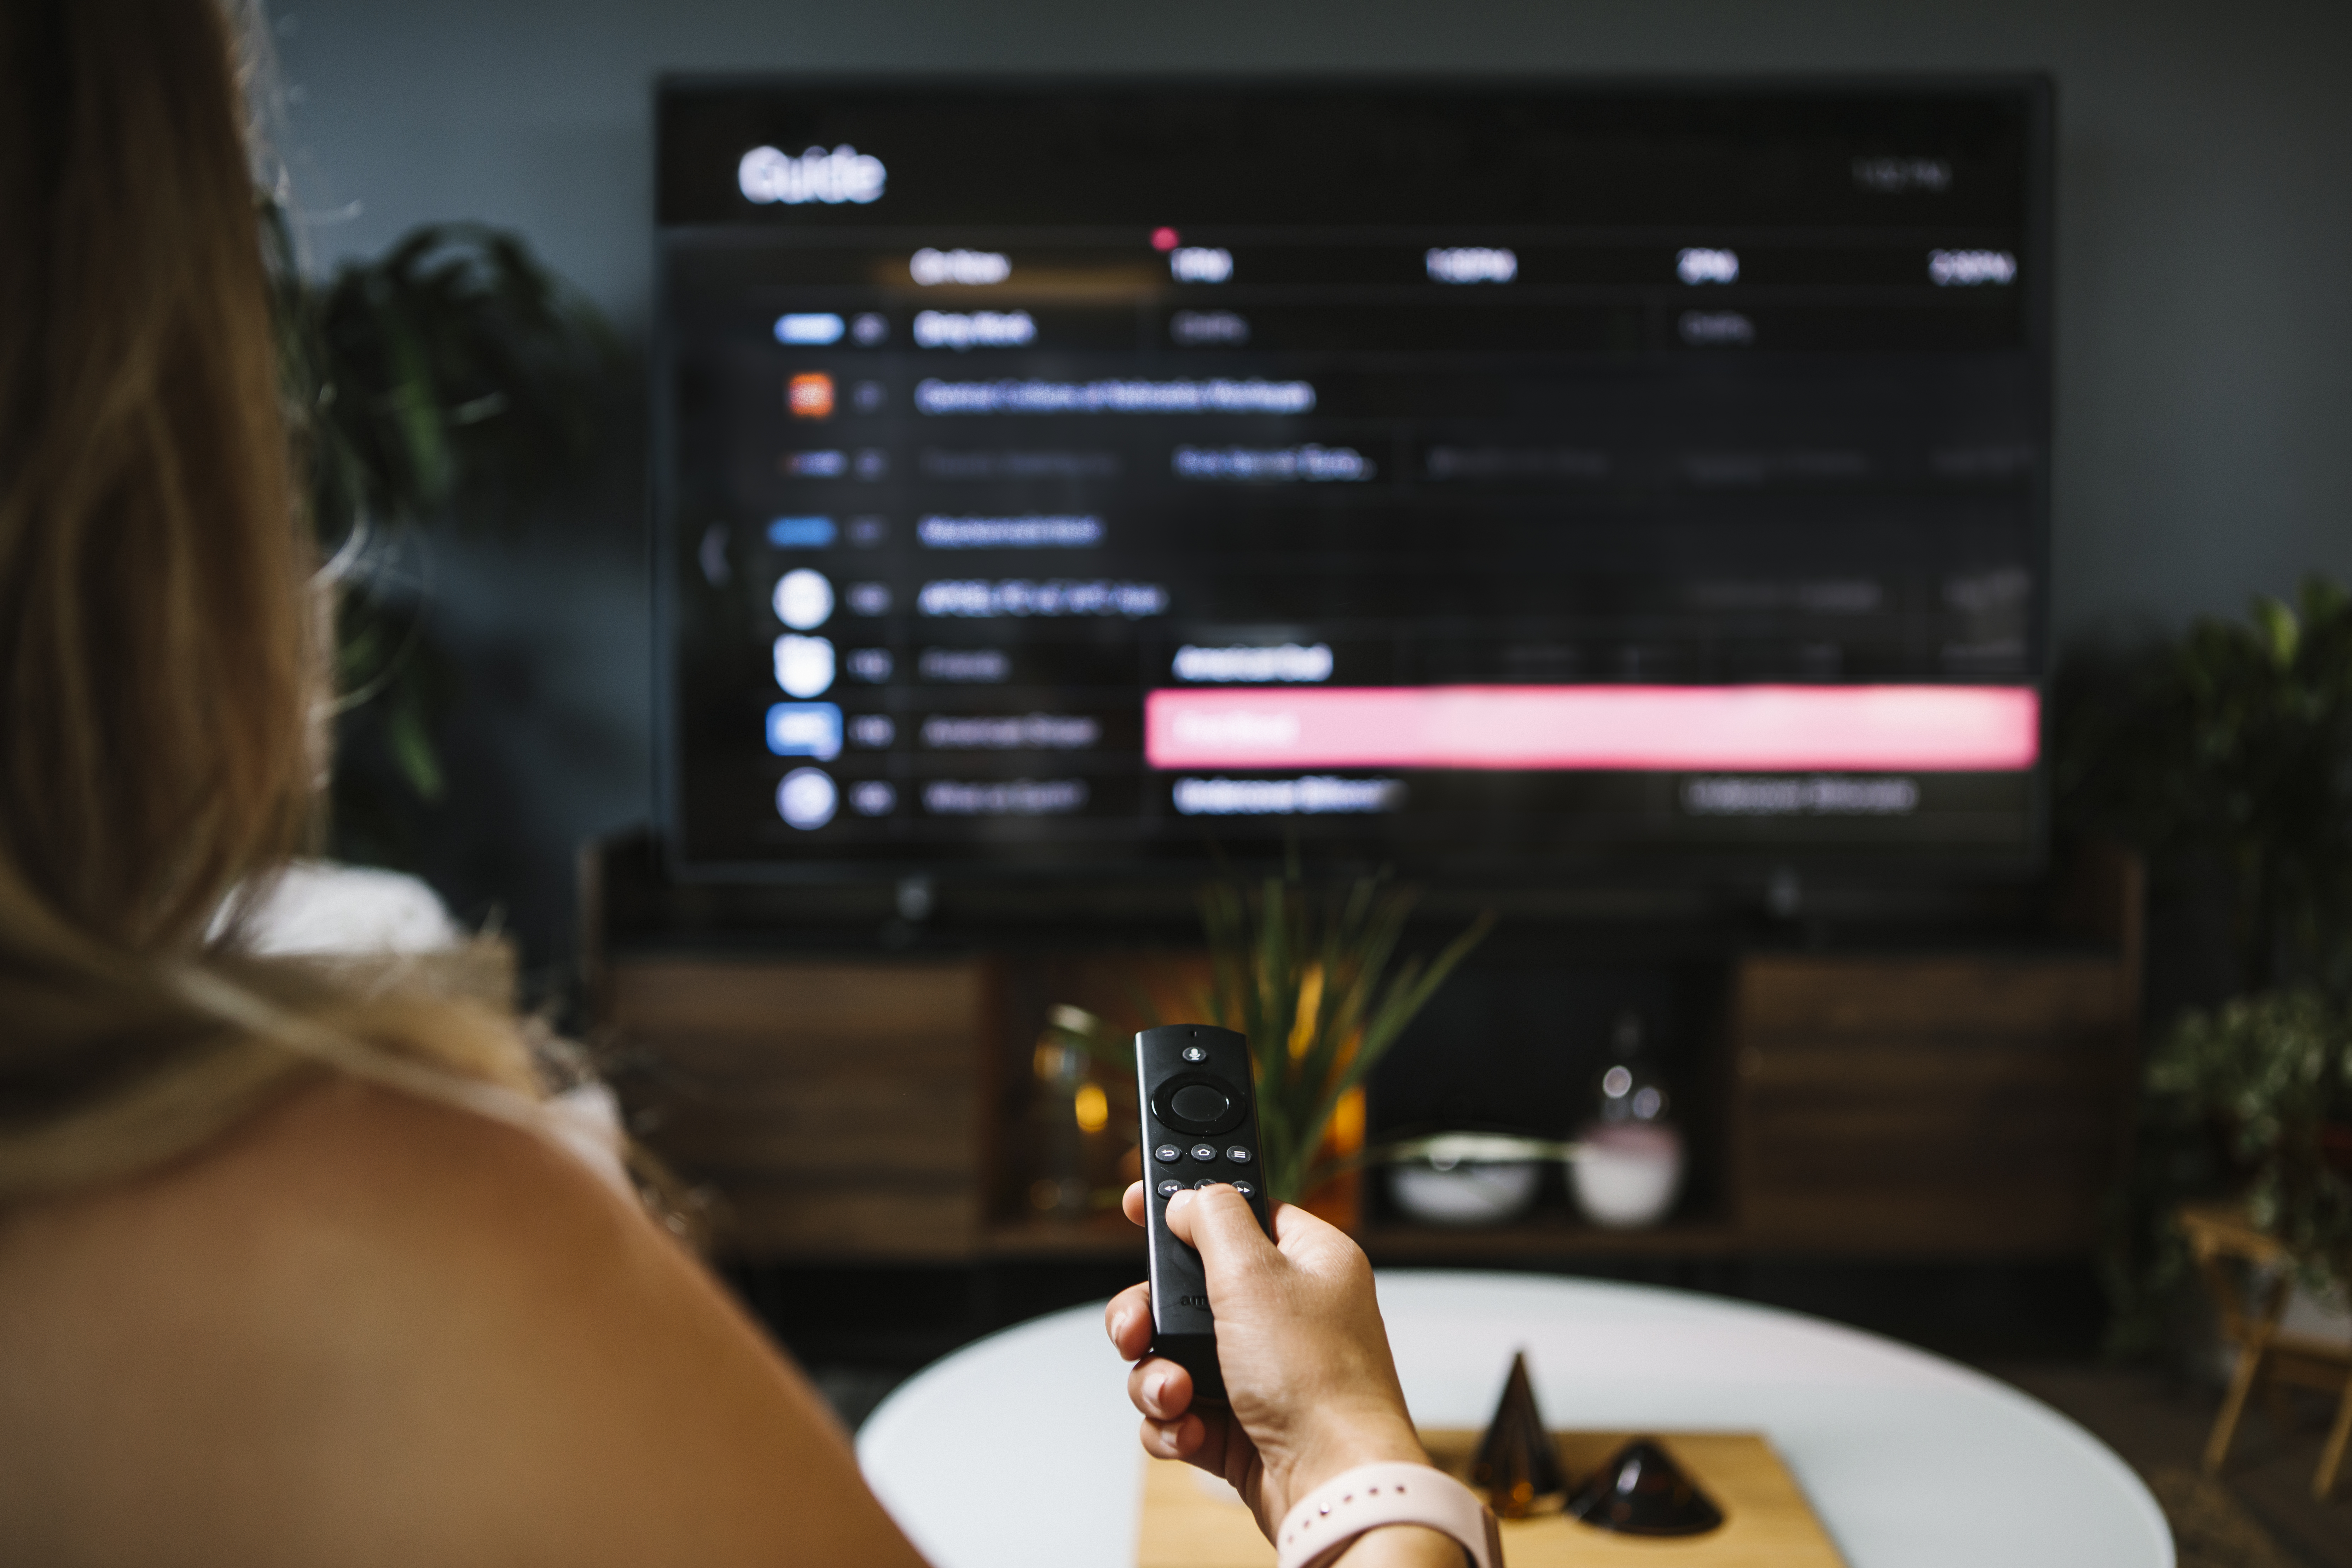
pixel 1196 1053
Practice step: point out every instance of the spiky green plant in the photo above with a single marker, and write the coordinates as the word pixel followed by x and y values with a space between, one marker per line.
pixel 1313 978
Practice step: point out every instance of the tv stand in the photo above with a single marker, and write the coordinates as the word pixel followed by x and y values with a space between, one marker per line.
pixel 855 1085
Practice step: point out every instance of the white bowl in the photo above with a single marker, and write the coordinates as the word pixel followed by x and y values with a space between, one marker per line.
pixel 1471 1192
pixel 1627 1174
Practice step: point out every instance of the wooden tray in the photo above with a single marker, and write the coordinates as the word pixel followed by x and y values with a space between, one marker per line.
pixel 1191 1520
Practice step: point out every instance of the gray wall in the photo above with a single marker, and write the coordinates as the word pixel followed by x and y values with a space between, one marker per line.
pixel 2204 315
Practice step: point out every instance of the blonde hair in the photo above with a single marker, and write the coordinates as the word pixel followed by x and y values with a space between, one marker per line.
pixel 159 663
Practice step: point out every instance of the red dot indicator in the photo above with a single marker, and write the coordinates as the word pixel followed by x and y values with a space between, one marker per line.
pixel 1163 239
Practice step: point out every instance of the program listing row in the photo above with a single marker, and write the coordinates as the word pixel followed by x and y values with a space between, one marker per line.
pixel 1885 647
pixel 1065 672
pixel 1507 812
pixel 808 798
pixel 1723 467
pixel 1728 468
pixel 1919 318
pixel 1726 465
pixel 1539 593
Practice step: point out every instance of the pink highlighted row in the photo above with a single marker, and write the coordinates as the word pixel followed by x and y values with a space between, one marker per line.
pixel 1774 729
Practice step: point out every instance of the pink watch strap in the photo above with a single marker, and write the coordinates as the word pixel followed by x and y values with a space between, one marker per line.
pixel 1370 1496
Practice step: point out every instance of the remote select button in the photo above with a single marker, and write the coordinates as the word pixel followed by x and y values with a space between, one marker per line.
pixel 1171 1188
pixel 1204 1152
pixel 1199 1102
pixel 1247 1189
pixel 1238 1154
pixel 1196 1053
pixel 1168 1153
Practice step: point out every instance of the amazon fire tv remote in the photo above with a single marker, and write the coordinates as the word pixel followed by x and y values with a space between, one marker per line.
pixel 1200 1127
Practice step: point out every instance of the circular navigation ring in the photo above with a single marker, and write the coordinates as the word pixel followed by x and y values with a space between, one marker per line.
pixel 1201 1105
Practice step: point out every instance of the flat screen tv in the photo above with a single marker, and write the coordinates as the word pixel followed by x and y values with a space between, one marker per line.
pixel 1497 477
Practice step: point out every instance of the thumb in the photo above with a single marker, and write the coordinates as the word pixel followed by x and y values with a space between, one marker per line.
pixel 1219 1222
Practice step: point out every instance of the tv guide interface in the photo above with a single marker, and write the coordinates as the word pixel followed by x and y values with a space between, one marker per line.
pixel 1071 476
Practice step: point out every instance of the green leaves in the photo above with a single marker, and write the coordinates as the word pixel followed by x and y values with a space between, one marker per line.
pixel 1307 976
pixel 2230 748
pixel 1306 973
pixel 453 367
pixel 2234 741
pixel 453 377
pixel 2273 1072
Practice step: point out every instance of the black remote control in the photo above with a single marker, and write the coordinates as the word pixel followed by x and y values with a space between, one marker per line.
pixel 1200 1126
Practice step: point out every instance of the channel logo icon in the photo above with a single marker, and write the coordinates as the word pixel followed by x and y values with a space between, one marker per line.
pixel 806 799
pixel 803 665
pixel 804 729
pixel 801 533
pixel 810 396
pixel 812 327
pixel 804 599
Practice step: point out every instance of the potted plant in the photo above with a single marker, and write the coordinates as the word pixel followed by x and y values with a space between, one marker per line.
pixel 1313 978
pixel 2225 755
pixel 453 377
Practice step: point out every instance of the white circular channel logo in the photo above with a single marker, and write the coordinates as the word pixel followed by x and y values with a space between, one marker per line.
pixel 804 599
pixel 803 665
pixel 806 799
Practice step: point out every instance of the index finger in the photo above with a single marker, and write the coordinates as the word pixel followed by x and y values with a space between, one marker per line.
pixel 1218 1223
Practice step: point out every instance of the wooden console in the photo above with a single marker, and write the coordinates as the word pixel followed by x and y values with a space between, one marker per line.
pixel 1930 1105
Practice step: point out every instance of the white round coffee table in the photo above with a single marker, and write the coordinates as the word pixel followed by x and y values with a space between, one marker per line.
pixel 1020 1451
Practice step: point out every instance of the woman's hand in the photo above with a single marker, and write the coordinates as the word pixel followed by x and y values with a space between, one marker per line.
pixel 1299 1339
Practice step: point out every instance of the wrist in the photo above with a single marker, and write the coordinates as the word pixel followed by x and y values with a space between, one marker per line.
pixel 1366 1439
pixel 1388 1514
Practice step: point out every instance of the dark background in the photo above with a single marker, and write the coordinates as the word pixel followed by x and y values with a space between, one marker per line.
pixel 2204 341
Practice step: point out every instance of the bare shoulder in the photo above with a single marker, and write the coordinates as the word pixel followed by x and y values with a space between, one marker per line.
pixel 347 1217
pixel 365 1319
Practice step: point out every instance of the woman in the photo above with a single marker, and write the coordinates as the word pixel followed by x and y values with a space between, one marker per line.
pixel 292 1273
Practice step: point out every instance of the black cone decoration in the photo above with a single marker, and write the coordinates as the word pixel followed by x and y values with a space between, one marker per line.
pixel 1642 1491
pixel 1516 1462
